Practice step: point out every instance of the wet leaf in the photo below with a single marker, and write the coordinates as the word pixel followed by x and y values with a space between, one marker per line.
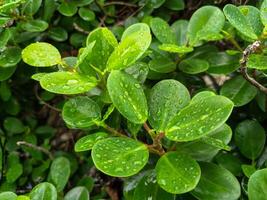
pixel 172 48
pixel 256 61
pixel 10 57
pixel 193 66
pixel 43 191
pixel 77 193
pixel 257 185
pixel 8 196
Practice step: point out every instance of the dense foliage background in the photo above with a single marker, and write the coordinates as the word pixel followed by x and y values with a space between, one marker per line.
pixel 212 52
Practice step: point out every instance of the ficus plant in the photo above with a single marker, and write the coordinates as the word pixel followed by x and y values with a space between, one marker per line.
pixel 175 111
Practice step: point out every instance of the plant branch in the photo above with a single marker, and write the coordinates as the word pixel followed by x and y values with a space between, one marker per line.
pixel 111 130
pixel 38 148
pixel 243 65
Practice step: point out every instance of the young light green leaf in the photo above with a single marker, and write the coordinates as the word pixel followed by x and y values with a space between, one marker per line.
pixel 41 54
pixel 202 95
pixel 250 138
pixel 248 170
pixel 135 41
pixel 166 99
pixel 105 42
pixel 8 196
pixel 206 22
pixel 162 31
pixel 193 66
pixel 220 181
pixel 257 185
pixel 180 30
pixel 67 82
pixel 128 96
pixel 77 193
pixel 215 143
pixel 81 112
pixel 87 142
pixel 257 61
pixel 177 173
pixel 263 12
pixel 120 157
pixel 239 21
pixel 199 118
pixel 43 191
pixel 172 48
pixel 239 91
pixel 60 172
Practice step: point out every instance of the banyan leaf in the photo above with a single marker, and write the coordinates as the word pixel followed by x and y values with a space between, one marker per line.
pixel 249 141
pixel 199 118
pixel 135 41
pixel 263 12
pixel 238 90
pixel 87 142
pixel 58 34
pixel 220 181
pixel 239 21
pixel 120 157
pixel 257 184
pixel 172 48
pixel 77 193
pixel 257 61
pixel 81 112
pixel 67 9
pixel 204 24
pixel 67 82
pixel 162 65
pixel 166 99
pixel 41 54
pixel 34 25
pixel 193 66
pixel 128 96
pixel 8 196
pixel 180 30
pixel 10 57
pixel 86 14
pixel 177 173
pixel 162 31
pixel 43 191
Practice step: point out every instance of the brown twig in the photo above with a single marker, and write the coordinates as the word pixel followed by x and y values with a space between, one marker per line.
pixel 243 65
pixel 38 148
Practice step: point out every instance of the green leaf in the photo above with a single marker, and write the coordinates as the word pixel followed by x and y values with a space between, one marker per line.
pixel 202 151
pixel 67 82
pixel 67 9
pixel 166 99
pixel 10 57
pixel 199 118
pixel 239 91
pixel 119 157
pixel 15 169
pixel 81 112
pixel 105 42
pixel 58 34
pixel 206 22
pixel 87 142
pixel 177 173
pixel 8 196
pixel 220 181
pixel 139 71
pixel 23 197
pixel 248 170
pixel 60 172
pixel 86 14
pixel 239 21
pixel 44 191
pixel 35 25
pixel 175 4
pixel 162 31
pixel 32 6
pixel 5 35
pixel 147 188
pixel 249 141
pixel 263 12
pixel 128 96
pixel 162 65
pixel 180 30
pixel 77 193
pixel 193 66
pixel 257 184
pixel 229 162
pixel 41 54
pixel 215 142
pixel 172 48
pixel 257 61
pixel 135 41
pixel 13 125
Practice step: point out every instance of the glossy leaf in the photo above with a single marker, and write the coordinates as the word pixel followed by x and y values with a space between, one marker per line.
pixel 41 54
pixel 175 4
pixel 216 182
pixel 193 66
pixel 263 12
pixel 180 30
pixel 239 21
pixel 239 91
pixel 166 99
pixel 86 14
pixel 257 185
pixel 67 82
pixel 35 25
pixel 128 96
pixel 177 173
pixel 162 31
pixel 87 142
pixel 10 57
pixel 60 172
pixel 67 9
pixel 250 138
pixel 81 112
pixel 162 65
pixel 43 191
pixel 256 61
pixel 135 41
pixel 120 157
pixel 199 118
pixel 58 34
pixel 8 196
pixel 206 22
pixel 77 193
pixel 172 48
